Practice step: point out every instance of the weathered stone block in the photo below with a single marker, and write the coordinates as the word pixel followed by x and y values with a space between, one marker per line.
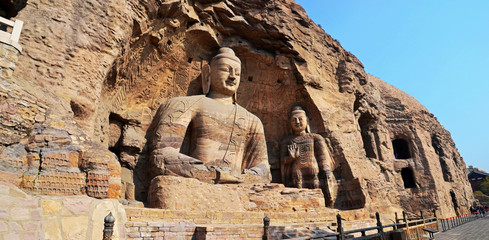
pixel 6 64
pixel 17 213
pixel 174 193
pixel 115 132
pixel 133 137
pixel 14 226
pixel 78 205
pixel 11 236
pixel 50 207
pixel 36 214
pixel 4 213
pixel 13 57
pixel 30 226
pixel 7 73
pixel 74 228
pixel 29 236
pixel 3 226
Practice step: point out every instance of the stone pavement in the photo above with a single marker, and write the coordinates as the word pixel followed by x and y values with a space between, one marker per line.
pixel 475 230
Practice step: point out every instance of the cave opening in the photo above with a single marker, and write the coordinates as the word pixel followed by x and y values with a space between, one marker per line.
pixel 368 137
pixel 408 178
pixel 116 124
pixel 368 131
pixel 454 201
pixel 401 149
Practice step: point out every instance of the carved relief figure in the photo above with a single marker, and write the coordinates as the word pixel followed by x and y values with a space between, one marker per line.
pixel 349 74
pixel 305 161
pixel 191 135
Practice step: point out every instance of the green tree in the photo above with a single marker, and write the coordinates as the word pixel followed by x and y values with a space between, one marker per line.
pixel 484 186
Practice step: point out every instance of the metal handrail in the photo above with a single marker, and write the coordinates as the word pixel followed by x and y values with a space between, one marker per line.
pixel 452 222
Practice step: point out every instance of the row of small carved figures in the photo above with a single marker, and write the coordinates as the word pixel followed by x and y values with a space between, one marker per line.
pixel 73 189
pixel 56 184
pixel 67 178
pixel 50 163
pixel 92 181
pixel 48 183
pixel 55 162
pixel 76 178
pixel 97 187
pixel 65 190
pixel 97 193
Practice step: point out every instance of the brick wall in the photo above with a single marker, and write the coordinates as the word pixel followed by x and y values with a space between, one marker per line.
pixel 8 58
pixel 27 217
pixel 20 215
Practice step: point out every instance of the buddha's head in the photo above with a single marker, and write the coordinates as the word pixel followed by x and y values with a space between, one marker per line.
pixel 223 74
pixel 298 120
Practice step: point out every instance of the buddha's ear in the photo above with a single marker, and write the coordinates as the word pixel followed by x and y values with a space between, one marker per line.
pixel 308 127
pixel 206 78
pixel 235 97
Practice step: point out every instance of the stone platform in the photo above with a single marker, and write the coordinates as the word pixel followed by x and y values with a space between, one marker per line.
pixel 187 230
pixel 229 217
pixel 168 224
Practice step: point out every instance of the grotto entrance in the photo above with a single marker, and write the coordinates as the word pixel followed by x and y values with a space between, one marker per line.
pixel 408 178
pixel 401 149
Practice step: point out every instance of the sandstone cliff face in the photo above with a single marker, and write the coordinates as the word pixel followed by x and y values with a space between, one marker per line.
pixel 100 69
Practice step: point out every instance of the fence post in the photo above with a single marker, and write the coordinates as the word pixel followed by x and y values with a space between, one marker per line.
pixel 422 217
pixel 436 219
pixel 395 224
pixel 341 234
pixel 266 228
pixel 404 217
pixel 379 226
pixel 108 226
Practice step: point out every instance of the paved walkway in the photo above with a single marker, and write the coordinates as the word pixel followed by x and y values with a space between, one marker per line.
pixel 475 230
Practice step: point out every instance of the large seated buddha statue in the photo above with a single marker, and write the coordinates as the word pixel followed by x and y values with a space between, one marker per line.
pixel 210 136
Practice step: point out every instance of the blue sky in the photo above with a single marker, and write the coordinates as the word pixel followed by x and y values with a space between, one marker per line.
pixel 437 51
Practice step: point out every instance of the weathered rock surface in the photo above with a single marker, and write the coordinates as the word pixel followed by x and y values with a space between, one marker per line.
pixel 98 70
pixel 177 193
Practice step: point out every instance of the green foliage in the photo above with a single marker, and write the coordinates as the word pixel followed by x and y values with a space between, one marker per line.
pixel 484 186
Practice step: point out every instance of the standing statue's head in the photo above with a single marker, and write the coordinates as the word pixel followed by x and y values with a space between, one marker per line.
pixel 298 120
pixel 222 76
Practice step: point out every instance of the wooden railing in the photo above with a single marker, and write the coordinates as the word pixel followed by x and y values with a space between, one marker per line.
pixel 384 231
pixel 406 226
pixel 12 37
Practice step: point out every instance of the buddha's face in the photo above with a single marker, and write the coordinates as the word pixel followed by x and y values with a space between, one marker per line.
pixel 298 122
pixel 225 76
